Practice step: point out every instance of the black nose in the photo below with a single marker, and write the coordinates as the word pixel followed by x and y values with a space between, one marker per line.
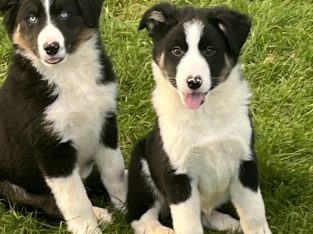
pixel 52 49
pixel 194 82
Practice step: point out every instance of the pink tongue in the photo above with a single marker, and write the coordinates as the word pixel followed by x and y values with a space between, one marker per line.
pixel 193 100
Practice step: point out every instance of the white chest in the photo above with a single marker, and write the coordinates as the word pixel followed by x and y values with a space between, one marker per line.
pixel 208 150
pixel 79 112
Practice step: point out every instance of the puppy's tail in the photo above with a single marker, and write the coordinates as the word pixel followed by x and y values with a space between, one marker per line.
pixel 17 194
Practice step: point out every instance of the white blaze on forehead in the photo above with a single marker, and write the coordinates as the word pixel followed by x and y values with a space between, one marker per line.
pixel 193 31
pixel 46 4
pixel 193 64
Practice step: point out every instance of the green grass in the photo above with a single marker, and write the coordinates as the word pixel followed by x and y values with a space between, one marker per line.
pixel 278 62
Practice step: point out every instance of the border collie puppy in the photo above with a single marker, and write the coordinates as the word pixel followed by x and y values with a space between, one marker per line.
pixel 200 153
pixel 58 112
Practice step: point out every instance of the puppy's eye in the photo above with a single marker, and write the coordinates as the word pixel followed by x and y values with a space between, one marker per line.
pixel 32 19
pixel 209 51
pixel 64 15
pixel 177 51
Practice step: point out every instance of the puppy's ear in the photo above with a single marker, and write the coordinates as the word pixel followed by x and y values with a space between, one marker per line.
pixel 159 19
pixel 6 5
pixel 9 9
pixel 234 25
pixel 91 11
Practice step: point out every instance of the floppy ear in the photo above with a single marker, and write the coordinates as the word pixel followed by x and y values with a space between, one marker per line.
pixel 91 11
pixel 234 25
pixel 9 9
pixel 159 19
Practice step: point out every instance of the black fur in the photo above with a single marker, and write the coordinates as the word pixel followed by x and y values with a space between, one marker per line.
pixel 237 27
pixel 156 28
pixel 248 175
pixel 249 172
pixel 90 10
pixel 110 134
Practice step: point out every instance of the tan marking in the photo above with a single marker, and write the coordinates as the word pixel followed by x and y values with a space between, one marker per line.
pixel 229 63
pixel 84 36
pixel 157 16
pixel 20 41
pixel 161 60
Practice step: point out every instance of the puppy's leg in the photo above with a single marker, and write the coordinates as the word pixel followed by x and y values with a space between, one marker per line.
pixel 247 199
pixel 220 222
pixel 185 205
pixel 58 162
pixel 110 163
pixel 72 200
pixel 143 203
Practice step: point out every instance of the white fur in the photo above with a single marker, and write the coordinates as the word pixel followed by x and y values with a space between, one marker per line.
pixel 220 222
pixel 111 166
pixel 102 215
pixel 193 63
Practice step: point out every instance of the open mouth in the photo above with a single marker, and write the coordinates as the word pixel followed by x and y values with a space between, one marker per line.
pixel 193 100
pixel 54 60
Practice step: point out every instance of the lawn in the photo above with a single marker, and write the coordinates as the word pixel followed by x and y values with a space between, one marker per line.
pixel 278 62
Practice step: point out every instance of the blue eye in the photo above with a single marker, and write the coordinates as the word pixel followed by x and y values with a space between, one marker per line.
pixel 32 19
pixel 64 15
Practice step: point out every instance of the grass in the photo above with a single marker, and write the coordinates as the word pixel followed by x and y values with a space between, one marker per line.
pixel 278 62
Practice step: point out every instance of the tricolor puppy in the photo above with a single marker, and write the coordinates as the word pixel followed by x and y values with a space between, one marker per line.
pixel 200 153
pixel 58 111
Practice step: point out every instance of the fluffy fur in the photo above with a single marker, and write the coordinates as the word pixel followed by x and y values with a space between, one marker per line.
pixel 58 112
pixel 200 153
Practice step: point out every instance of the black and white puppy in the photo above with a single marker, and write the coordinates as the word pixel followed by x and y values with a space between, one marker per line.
pixel 200 153
pixel 58 111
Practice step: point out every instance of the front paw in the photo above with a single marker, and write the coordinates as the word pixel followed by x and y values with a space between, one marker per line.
pixel 264 229
pixel 102 215
pixel 220 222
pixel 83 226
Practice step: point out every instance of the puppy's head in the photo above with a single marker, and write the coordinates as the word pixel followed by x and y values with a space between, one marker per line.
pixel 195 49
pixel 50 30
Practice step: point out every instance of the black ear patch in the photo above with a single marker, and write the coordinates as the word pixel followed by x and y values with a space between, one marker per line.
pixel 7 4
pixel 9 9
pixel 234 25
pixel 159 19
pixel 91 11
